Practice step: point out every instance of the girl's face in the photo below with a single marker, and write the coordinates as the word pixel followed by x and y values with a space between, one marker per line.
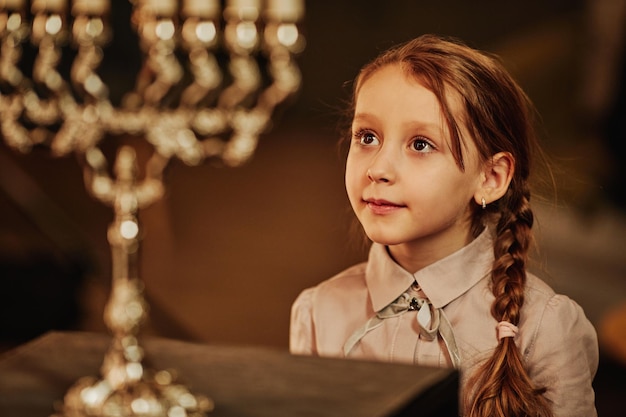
pixel 401 177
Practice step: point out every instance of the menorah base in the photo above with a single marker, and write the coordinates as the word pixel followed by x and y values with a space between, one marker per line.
pixel 155 394
pixel 127 387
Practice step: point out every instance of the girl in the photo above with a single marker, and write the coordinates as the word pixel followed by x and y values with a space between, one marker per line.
pixel 437 174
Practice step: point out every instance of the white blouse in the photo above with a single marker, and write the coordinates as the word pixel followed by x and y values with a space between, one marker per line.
pixel 369 311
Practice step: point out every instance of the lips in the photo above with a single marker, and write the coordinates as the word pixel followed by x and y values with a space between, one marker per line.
pixel 382 206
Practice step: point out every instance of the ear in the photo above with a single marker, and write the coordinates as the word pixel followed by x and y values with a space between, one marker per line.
pixel 495 178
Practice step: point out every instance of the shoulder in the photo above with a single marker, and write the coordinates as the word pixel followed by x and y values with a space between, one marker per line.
pixel 347 280
pixel 556 327
pixel 553 314
pixel 560 348
pixel 323 316
pixel 552 309
pixel 564 324
pixel 335 290
pixel 537 289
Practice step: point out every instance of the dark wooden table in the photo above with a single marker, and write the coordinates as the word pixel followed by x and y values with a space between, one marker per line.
pixel 243 381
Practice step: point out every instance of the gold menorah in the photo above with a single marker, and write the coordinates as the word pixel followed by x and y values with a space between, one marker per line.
pixel 201 93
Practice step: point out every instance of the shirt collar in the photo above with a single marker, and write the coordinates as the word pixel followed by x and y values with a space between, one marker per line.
pixel 442 281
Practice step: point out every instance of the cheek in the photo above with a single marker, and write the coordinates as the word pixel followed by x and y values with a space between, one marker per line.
pixel 440 191
pixel 352 179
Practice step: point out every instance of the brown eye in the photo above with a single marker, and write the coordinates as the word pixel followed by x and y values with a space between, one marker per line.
pixel 422 145
pixel 366 138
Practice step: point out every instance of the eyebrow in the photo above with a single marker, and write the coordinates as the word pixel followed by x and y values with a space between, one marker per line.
pixel 433 128
pixel 364 116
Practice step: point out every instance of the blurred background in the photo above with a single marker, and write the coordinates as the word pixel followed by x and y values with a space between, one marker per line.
pixel 227 250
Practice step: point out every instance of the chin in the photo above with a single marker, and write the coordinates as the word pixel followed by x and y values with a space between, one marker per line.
pixel 383 239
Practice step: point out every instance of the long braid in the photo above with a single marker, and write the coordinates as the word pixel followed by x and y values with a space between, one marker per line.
pixel 505 389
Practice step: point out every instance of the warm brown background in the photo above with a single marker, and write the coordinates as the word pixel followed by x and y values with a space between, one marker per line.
pixel 228 250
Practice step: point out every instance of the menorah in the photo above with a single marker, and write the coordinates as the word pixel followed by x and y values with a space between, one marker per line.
pixel 201 93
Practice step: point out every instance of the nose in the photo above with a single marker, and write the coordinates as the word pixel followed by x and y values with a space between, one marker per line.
pixel 377 175
pixel 381 170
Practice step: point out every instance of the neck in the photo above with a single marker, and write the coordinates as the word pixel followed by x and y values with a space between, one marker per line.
pixel 418 255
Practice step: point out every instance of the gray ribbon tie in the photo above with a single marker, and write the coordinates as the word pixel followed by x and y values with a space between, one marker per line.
pixel 431 321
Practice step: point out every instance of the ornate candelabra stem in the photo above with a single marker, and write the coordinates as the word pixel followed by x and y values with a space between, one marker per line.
pixel 183 103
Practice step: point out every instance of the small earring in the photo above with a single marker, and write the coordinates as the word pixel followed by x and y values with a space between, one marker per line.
pixel 483 203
